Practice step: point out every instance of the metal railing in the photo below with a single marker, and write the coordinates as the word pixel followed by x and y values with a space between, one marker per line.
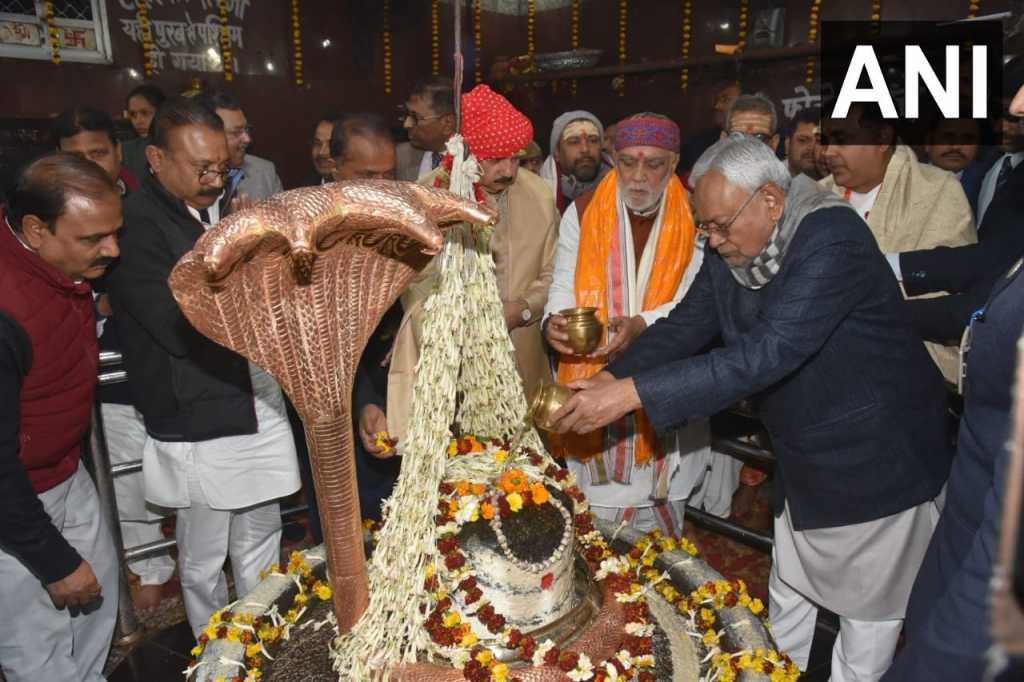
pixel 111 373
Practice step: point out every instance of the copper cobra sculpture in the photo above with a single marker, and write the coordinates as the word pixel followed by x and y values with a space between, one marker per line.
pixel 297 284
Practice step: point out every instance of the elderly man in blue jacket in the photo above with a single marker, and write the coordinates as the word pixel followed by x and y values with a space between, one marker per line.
pixel 814 331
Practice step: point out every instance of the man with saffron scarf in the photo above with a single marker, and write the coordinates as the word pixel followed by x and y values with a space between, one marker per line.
pixel 628 249
pixel 815 331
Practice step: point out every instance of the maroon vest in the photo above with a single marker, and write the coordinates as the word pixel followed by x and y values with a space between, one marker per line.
pixel 57 394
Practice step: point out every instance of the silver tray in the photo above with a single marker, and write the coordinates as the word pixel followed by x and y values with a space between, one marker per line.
pixel 570 59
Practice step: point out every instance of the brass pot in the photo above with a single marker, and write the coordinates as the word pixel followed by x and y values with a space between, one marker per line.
pixel 583 328
pixel 545 402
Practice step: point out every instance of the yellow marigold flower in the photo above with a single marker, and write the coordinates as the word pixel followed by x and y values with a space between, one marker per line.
pixel 462 488
pixel 451 619
pixel 710 638
pixel 499 672
pixel 728 675
pixel 747 661
pixel 384 441
pixel 368 524
pixel 778 675
pixel 483 656
pixel 648 559
pixel 453 448
pixel 475 516
pixel 540 493
pixel 268 633
pixel 655 534
pixel 500 456
pixel 219 678
pixel 253 650
pixel 234 634
pixel 756 606
pixel 211 631
pixel 197 650
pixel 668 544
pixel 670 593
pixel 243 618
pixel 515 501
pixel 301 599
pixel 322 590
pixel 292 615
pixel 217 617
pixel 468 638
pixel 478 489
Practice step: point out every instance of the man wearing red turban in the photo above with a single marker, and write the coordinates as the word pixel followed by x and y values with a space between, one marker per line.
pixel 523 246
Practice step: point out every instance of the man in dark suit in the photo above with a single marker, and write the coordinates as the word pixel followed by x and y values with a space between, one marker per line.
pixel 956 145
pixel 813 329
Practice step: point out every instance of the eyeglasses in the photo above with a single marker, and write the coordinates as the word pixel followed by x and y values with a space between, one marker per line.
pixel 208 174
pixel 238 132
pixel 764 137
pixel 404 114
pixel 705 229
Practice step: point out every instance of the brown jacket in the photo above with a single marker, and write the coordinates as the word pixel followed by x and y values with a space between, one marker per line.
pixel 523 245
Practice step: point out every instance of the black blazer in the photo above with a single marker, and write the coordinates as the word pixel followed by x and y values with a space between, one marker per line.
pixel 967 272
pixel 187 387
pixel 853 403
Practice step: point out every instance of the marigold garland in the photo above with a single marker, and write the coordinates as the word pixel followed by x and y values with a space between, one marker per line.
pixel 146 28
pixel 297 43
pixel 227 61
pixel 574 42
pixel 531 17
pixel 973 6
pixel 813 22
pixel 386 37
pixel 876 15
pixel 478 39
pixel 684 76
pixel 744 23
pixel 620 83
pixel 435 37
pixel 54 32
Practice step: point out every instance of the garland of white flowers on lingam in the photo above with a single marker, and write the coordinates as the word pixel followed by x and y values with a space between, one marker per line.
pixel 474 360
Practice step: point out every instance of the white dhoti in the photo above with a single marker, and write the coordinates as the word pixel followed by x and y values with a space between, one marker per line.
pixel 226 491
pixel 861 572
pixel 636 502
pixel 140 523
pixel 718 485
pixel 38 641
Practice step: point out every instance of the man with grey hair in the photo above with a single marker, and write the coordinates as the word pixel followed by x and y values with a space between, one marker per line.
pixel 813 325
pixel 754 116
pixel 575 164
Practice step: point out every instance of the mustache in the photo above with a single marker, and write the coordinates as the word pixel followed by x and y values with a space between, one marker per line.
pixel 508 179
pixel 101 262
pixel 210 192
pixel 953 153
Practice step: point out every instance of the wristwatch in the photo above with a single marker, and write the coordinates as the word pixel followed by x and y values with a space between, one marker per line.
pixel 527 314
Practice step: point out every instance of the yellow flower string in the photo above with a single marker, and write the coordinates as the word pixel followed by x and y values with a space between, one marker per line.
pixel 435 37
pixel 575 36
pixel 684 76
pixel 531 18
pixel 744 22
pixel 478 38
pixel 227 61
pixel 972 8
pixel 297 42
pixel 623 16
pixel 54 32
pixel 386 33
pixel 813 22
pixel 146 28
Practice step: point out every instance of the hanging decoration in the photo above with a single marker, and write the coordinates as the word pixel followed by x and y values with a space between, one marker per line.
pixel 297 43
pixel 684 76
pixel 876 15
pixel 435 37
pixel 227 61
pixel 478 39
pixel 146 28
pixel 744 22
pixel 620 82
pixel 575 39
pixel 54 32
pixel 386 33
pixel 973 6
pixel 813 22
pixel 531 18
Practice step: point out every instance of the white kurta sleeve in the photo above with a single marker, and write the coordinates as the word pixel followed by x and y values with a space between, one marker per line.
pixel 652 316
pixel 563 288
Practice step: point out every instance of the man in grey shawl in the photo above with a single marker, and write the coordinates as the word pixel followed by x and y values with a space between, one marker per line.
pixel 575 165
pixel 814 331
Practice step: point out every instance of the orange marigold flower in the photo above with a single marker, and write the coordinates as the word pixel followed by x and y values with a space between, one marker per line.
pixel 475 445
pixel 540 493
pixel 479 489
pixel 487 510
pixel 514 481
pixel 462 488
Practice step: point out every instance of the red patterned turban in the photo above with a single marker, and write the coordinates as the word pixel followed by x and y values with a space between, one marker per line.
pixel 491 126
pixel 647 131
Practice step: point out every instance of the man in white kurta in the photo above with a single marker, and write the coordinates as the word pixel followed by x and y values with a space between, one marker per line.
pixel 646 198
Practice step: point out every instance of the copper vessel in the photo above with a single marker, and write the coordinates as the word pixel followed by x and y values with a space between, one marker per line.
pixel 583 328
pixel 545 402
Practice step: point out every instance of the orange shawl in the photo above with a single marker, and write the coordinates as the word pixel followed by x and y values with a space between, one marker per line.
pixel 600 283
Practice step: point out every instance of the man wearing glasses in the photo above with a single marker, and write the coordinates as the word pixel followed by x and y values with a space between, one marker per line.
pixel 219 448
pixel 252 177
pixel 429 118
pixel 814 330
pixel 754 116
